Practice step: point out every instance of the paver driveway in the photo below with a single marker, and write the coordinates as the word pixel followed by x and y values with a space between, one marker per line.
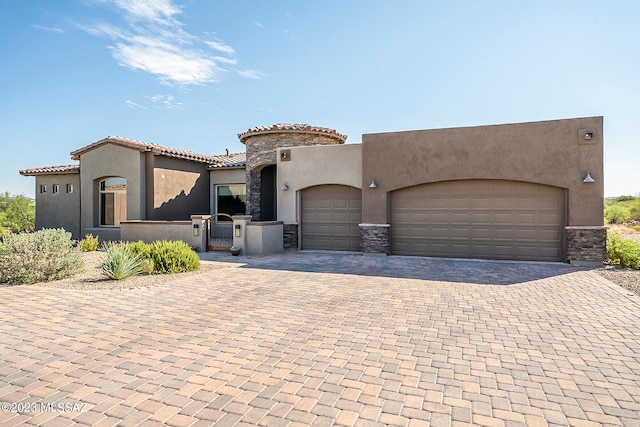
pixel 370 341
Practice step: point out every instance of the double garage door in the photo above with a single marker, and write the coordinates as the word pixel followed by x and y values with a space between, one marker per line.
pixel 490 219
pixel 330 218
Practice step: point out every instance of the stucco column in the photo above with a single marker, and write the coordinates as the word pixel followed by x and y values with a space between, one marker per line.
pixel 240 234
pixel 200 231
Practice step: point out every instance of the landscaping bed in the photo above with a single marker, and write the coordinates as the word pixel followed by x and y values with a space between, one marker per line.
pixel 92 277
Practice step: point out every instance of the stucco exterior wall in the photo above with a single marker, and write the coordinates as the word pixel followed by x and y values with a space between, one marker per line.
pixel 62 209
pixel 111 161
pixel 550 152
pixel 309 166
pixel 180 189
pixel 224 176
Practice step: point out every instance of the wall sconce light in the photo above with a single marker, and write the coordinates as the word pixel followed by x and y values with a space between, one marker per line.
pixel 588 178
pixel 236 230
pixel 196 229
pixel 284 186
pixel 373 184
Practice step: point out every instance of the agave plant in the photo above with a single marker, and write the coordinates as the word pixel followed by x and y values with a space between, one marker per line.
pixel 122 262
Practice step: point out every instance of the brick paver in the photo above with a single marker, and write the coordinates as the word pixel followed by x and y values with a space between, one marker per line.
pixel 328 339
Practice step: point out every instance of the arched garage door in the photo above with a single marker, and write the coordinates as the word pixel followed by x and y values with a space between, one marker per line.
pixel 330 217
pixel 491 219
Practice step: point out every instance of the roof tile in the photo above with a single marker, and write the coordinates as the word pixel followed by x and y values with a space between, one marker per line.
pixel 147 147
pixel 51 170
pixel 291 127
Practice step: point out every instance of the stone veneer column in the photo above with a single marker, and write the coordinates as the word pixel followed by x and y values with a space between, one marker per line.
pixel 290 237
pixel 262 143
pixel 586 245
pixel 374 239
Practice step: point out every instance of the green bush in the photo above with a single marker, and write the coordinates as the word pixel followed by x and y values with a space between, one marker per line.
pixel 45 255
pixel 173 257
pixel 143 250
pixel 625 198
pixel 616 214
pixel 625 252
pixel 634 211
pixel 17 214
pixel 122 262
pixel 89 243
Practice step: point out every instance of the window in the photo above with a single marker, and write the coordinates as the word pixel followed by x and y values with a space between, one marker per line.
pixel 69 188
pixel 113 201
pixel 43 188
pixel 55 188
pixel 231 200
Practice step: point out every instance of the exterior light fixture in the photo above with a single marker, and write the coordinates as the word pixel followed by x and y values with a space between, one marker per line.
pixel 237 230
pixel 373 184
pixel 196 229
pixel 588 178
pixel 284 186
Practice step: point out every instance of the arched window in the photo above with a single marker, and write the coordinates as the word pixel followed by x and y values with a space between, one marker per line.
pixel 113 201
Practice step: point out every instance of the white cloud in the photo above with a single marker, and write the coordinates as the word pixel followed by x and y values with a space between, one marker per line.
pixel 251 74
pixel 166 101
pixel 221 47
pixel 134 104
pixel 152 39
pixel 50 29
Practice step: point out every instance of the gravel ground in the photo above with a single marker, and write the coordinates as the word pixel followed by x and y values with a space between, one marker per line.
pixel 625 277
pixel 92 278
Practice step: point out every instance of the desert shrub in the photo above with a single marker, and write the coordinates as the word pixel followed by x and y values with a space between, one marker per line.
pixel 45 255
pixel 625 252
pixel 616 214
pixel 634 211
pixel 122 262
pixel 173 257
pixel 143 250
pixel 625 198
pixel 89 243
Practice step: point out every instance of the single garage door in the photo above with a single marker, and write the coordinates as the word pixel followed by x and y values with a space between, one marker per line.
pixel 330 218
pixel 491 219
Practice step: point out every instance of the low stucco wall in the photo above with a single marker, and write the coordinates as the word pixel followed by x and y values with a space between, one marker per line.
pixel 318 165
pixel 150 231
pixel 550 152
pixel 263 238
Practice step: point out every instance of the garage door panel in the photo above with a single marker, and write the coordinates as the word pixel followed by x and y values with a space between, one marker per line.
pixel 478 218
pixel 330 215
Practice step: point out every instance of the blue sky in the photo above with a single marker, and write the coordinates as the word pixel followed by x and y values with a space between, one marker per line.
pixel 191 74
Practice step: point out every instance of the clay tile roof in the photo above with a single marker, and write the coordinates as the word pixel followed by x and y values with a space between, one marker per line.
pixel 291 127
pixel 145 146
pixel 51 170
pixel 232 160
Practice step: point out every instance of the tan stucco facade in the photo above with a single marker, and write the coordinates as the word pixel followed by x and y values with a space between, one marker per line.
pixel 223 176
pixel 284 160
pixel 316 165
pixel 180 188
pixel 60 208
pixel 108 161
pixel 551 152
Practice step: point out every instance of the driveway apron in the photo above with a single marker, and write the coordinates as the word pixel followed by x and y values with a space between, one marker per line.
pixel 327 339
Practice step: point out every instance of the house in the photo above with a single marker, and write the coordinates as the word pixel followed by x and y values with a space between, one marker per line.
pixel 524 191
